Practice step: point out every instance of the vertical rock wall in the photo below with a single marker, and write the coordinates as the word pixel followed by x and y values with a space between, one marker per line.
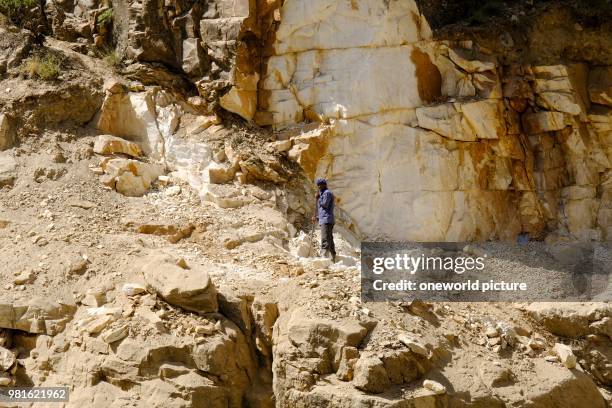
pixel 433 140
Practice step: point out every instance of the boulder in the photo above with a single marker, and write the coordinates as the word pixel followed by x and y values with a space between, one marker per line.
pixel 188 288
pixel 133 116
pixel 107 145
pixel 131 178
pixel 370 375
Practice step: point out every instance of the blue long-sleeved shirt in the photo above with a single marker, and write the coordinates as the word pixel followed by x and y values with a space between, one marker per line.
pixel 325 208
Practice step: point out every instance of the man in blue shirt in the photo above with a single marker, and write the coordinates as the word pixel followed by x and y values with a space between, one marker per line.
pixel 325 216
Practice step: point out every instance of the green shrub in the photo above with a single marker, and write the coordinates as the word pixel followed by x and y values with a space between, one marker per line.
pixel 12 6
pixel 45 68
pixel 105 17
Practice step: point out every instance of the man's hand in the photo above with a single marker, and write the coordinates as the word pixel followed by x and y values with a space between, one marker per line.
pixel 317 196
pixel 314 218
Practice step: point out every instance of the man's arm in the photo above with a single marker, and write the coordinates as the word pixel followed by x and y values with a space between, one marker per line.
pixel 327 200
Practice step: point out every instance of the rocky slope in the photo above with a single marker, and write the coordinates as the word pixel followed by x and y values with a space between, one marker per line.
pixel 157 245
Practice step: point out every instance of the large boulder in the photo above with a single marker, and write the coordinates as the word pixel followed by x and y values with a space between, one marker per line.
pixel 188 288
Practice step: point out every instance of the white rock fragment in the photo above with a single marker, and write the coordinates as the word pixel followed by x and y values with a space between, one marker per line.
pixel 434 387
pixel 413 345
pixel 565 354
pixel 133 289
pixel 7 359
pixel 115 334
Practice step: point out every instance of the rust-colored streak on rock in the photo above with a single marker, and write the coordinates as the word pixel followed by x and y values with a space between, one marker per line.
pixel 429 80
pixel 268 15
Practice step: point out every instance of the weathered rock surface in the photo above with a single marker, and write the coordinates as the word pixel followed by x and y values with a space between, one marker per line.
pixel 38 315
pixel 188 288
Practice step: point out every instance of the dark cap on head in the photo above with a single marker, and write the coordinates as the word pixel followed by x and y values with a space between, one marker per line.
pixel 321 182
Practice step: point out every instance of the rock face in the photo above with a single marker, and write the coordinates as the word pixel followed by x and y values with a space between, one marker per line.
pixel 452 144
pixel 190 289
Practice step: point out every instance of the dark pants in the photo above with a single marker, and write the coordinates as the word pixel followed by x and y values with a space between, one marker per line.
pixel 327 238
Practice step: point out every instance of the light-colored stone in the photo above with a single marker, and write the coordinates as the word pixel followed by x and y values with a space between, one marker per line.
pixel 201 123
pixel 460 58
pixel 108 144
pixel 113 335
pixel 225 196
pixel 190 289
pixel 434 387
pixel 133 289
pixel 7 359
pixel 24 277
pixel 94 298
pixel 5 380
pixel 131 178
pixel 219 173
pixel 565 354
pixel 131 115
pixel 240 102
pixel 95 324
pixel 370 375
pixel 413 345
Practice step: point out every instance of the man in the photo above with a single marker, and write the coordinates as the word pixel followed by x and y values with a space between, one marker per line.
pixel 325 216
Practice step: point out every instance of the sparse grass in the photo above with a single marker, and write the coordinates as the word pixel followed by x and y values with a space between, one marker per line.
pixel 105 17
pixel 111 57
pixel 46 67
